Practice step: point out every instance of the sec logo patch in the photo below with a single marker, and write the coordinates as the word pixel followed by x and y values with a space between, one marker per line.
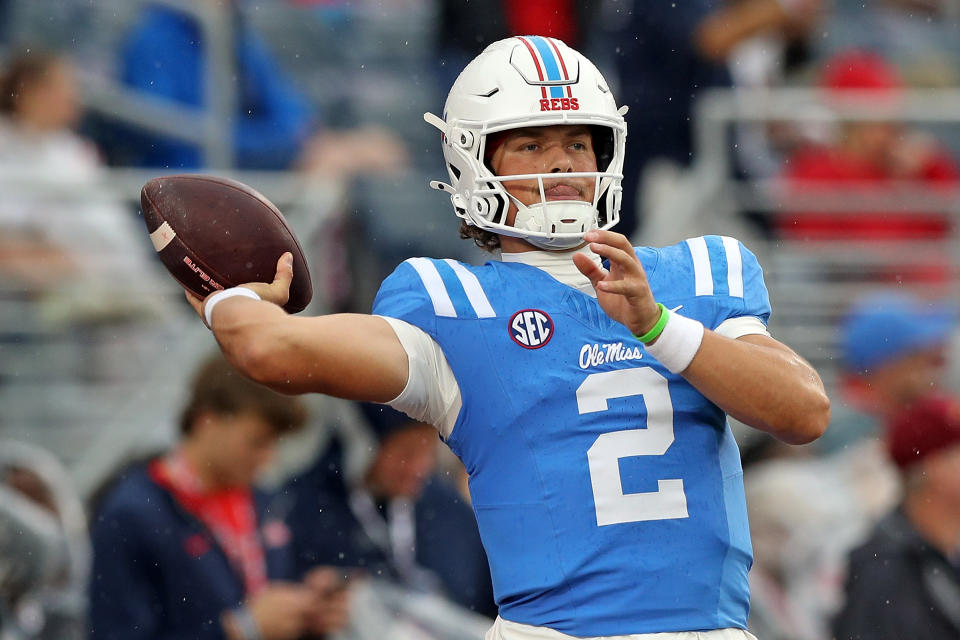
pixel 531 328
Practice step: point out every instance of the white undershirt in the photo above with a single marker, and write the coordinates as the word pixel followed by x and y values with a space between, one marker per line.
pixel 558 264
pixel 432 394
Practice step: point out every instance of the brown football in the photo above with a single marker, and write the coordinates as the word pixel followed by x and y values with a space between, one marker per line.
pixel 214 233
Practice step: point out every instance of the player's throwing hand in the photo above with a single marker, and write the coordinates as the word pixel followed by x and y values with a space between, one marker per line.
pixel 277 292
pixel 622 290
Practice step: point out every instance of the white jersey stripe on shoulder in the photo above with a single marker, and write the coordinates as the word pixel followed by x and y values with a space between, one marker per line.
pixel 476 296
pixel 702 272
pixel 442 304
pixel 734 266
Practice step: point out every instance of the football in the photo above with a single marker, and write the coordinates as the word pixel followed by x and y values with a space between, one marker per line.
pixel 214 233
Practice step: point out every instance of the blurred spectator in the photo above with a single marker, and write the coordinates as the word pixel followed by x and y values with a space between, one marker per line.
pixel 38 106
pixel 919 36
pixel 807 513
pixel 765 61
pixel 903 581
pixel 164 55
pixel 186 547
pixel 466 28
pixel 869 157
pixel 894 350
pixel 395 519
pixel 276 127
pixel 44 547
pixel 671 51
pixel 56 238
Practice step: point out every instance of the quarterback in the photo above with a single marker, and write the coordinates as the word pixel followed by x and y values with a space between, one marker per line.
pixel 584 383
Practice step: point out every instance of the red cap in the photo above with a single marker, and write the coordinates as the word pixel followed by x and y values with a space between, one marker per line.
pixel 858 69
pixel 926 426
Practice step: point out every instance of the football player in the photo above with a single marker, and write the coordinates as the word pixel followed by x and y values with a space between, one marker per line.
pixel 583 382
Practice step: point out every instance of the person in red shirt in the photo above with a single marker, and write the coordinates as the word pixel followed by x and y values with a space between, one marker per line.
pixel 188 547
pixel 870 158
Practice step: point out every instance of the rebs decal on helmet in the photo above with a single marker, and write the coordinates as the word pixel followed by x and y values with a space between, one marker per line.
pixel 559 104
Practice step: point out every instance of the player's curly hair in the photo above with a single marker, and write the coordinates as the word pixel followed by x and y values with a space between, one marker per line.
pixel 486 240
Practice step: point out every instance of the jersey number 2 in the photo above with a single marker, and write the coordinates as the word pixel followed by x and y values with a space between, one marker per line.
pixel 612 504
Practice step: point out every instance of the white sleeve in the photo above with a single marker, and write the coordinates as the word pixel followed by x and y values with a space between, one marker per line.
pixel 742 326
pixel 432 394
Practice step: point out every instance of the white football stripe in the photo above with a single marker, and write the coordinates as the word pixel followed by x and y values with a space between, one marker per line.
pixel 442 305
pixel 162 236
pixel 702 272
pixel 478 299
pixel 734 266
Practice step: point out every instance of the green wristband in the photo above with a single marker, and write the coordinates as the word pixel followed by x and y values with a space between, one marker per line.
pixel 657 329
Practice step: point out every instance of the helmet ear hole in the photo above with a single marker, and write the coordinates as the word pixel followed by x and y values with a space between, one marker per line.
pixel 464 138
pixel 491 209
pixel 481 208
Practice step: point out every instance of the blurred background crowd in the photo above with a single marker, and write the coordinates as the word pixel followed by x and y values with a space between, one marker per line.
pixel 825 134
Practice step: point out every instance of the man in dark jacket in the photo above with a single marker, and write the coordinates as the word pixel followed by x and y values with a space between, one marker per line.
pixel 396 520
pixel 186 547
pixel 904 582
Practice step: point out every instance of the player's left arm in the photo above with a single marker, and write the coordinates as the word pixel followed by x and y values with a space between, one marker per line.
pixel 755 379
pixel 762 383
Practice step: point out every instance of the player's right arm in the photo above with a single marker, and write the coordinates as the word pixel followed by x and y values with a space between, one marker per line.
pixel 353 356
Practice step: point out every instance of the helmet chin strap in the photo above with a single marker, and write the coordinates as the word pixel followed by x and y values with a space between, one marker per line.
pixel 556 217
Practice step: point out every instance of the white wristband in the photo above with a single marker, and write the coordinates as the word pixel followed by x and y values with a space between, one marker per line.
pixel 214 298
pixel 678 343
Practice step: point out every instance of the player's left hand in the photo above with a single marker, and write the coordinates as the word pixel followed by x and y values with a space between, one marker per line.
pixel 622 290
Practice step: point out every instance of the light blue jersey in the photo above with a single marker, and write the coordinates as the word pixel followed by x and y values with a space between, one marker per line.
pixel 608 491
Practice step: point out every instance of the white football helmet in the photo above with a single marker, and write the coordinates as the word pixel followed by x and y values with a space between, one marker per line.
pixel 530 81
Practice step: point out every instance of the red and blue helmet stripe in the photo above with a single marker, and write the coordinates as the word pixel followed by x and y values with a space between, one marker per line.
pixel 549 62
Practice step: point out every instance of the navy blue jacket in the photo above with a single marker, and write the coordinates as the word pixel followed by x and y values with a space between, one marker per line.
pixel 158 573
pixel 899 586
pixel 326 532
